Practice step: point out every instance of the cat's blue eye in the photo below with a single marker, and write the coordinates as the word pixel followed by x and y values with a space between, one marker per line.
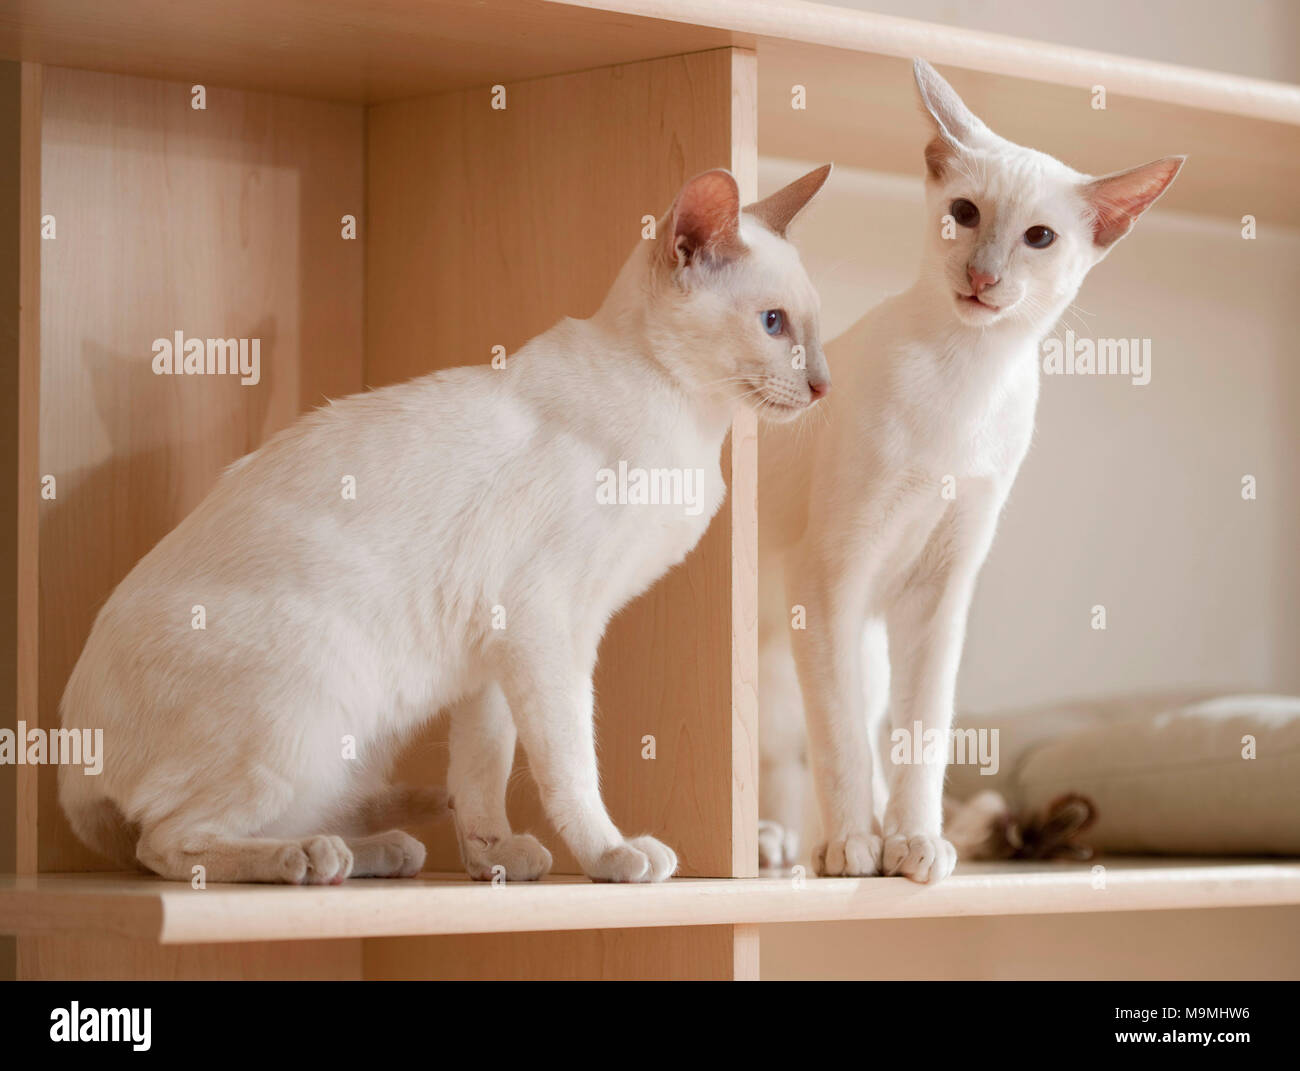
pixel 1039 237
pixel 964 212
pixel 773 321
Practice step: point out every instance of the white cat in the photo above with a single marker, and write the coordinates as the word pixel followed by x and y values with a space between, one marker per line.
pixel 936 389
pixel 436 545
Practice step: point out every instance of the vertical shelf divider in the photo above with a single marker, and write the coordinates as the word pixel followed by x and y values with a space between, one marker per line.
pixel 20 280
pixel 484 227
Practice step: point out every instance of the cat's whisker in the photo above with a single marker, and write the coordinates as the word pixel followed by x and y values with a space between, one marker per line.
pixel 726 379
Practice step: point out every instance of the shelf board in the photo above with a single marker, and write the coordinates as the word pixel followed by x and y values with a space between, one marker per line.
pixel 862 112
pixel 1242 134
pixel 128 905
pixel 395 48
pixel 796 22
pixel 339 49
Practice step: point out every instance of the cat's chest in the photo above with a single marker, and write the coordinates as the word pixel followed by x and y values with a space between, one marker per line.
pixel 665 508
pixel 990 448
pixel 973 428
pixel 653 506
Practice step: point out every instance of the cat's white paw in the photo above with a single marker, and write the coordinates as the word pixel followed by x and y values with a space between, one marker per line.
pixel 637 859
pixel 405 856
pixel 522 855
pixel 777 845
pixel 387 855
pixel 923 857
pixel 856 855
pixel 323 860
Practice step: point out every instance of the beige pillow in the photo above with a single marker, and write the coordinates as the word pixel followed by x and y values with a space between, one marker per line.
pixel 1166 776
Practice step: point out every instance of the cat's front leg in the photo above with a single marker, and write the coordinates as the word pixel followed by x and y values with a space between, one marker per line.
pixel 927 628
pixel 829 656
pixel 549 691
pixel 482 744
pixel 782 763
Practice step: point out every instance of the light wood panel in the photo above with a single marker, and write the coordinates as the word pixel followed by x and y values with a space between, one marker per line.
pixel 743 505
pixel 27 662
pixel 862 111
pixel 338 49
pixel 223 222
pixel 386 49
pixel 20 177
pixel 830 26
pixel 1261 943
pixel 486 227
pixel 1241 132
pixel 11 155
pixel 130 906
pixel 712 953
pixel 113 959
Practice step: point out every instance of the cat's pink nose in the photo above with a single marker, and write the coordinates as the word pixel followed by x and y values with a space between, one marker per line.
pixel 819 387
pixel 980 280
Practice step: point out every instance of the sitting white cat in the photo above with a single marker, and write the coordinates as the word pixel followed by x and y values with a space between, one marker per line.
pixel 473 570
pixel 877 519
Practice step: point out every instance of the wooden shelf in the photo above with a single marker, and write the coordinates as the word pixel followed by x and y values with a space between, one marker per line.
pixel 127 905
pixel 794 23
pixel 339 49
pixel 398 48
pixel 862 113
pixel 1243 134
pixel 379 110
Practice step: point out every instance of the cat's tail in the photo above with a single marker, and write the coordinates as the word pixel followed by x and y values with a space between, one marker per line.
pixel 986 827
pixel 404 806
pixel 978 827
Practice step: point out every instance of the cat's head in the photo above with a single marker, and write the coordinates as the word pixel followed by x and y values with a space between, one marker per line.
pixel 730 302
pixel 1014 231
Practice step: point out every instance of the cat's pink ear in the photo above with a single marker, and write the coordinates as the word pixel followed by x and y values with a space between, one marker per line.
pixel 778 209
pixel 706 219
pixel 1117 200
pixel 956 126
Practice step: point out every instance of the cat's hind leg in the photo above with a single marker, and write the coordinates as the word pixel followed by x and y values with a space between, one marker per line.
pixel 398 806
pixel 371 830
pixel 182 854
pixel 232 825
pixel 181 849
pixel 392 854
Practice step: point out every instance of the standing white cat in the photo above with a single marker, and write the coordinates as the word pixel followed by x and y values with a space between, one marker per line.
pixel 936 390
pixel 474 569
